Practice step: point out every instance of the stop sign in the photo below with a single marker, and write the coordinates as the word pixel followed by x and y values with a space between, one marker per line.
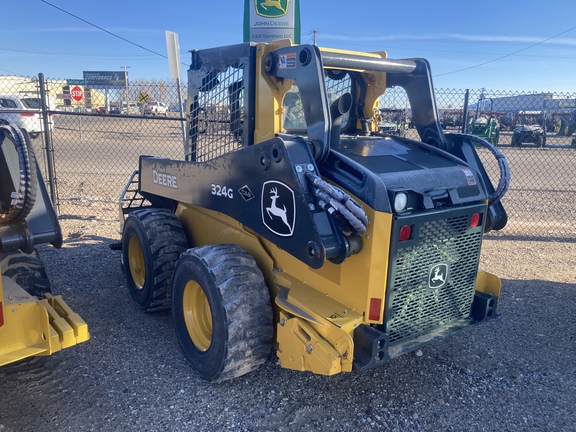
pixel 77 93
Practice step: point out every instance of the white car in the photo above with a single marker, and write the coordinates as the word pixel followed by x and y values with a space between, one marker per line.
pixel 155 108
pixel 26 113
pixel 129 108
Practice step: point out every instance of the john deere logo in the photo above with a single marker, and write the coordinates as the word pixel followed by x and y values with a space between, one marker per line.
pixel 278 208
pixel 271 8
pixel 438 276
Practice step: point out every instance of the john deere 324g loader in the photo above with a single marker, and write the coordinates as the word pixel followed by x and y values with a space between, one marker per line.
pixel 292 222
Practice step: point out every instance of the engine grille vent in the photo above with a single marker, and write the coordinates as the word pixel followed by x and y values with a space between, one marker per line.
pixel 414 307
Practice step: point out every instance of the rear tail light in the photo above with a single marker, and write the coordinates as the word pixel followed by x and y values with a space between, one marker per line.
pixel 475 220
pixel 375 305
pixel 27 114
pixel 405 233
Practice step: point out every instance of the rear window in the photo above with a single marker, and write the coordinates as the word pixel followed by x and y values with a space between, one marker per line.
pixel 33 103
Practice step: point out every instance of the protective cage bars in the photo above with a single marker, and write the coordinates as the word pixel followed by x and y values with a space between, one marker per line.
pixel 220 122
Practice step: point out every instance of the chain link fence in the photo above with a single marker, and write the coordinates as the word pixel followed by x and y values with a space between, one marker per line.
pixel 91 146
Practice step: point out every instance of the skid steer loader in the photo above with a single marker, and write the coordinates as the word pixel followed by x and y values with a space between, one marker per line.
pixel 32 321
pixel 292 222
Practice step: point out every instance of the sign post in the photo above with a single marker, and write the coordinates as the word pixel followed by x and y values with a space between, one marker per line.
pixel 77 94
pixel 269 20
pixel 173 48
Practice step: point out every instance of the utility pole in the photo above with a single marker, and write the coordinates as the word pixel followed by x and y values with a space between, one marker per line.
pixel 314 35
pixel 125 83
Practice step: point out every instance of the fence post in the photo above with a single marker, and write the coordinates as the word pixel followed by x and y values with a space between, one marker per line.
pixel 465 111
pixel 181 112
pixel 48 141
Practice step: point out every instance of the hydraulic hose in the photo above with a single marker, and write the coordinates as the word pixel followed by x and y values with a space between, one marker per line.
pixel 504 181
pixel 339 205
pixel 16 204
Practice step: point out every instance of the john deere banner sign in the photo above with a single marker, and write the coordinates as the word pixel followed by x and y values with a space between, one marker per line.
pixel 268 20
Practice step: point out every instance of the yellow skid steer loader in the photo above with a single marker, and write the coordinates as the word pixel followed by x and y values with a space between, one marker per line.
pixel 293 222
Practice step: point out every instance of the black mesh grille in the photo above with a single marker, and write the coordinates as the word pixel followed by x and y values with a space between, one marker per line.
pixel 413 307
pixel 217 120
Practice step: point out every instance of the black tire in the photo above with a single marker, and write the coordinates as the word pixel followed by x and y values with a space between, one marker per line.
pixel 222 311
pixel 515 141
pixel 27 270
pixel 152 242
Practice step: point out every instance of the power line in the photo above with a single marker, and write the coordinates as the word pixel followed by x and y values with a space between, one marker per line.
pixel 103 29
pixel 75 54
pixel 506 55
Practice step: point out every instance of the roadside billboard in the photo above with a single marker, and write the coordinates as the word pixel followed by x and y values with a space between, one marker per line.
pixel 104 79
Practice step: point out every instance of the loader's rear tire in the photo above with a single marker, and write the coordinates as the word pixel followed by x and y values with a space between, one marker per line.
pixel 222 311
pixel 27 270
pixel 152 242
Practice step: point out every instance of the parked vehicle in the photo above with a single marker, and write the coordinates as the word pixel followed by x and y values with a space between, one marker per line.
pixel 26 113
pixel 129 108
pixel 392 121
pixel 155 108
pixel 484 127
pixel 527 128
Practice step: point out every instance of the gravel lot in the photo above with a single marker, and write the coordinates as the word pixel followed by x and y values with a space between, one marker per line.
pixel 516 373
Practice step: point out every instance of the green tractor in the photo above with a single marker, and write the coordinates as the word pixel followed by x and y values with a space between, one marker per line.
pixel 485 127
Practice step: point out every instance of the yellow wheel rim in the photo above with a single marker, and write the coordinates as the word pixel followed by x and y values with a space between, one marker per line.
pixel 197 315
pixel 136 262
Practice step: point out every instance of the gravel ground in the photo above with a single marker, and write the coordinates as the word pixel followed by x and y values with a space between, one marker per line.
pixel 515 373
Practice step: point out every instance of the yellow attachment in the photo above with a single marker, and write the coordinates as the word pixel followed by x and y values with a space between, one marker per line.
pixel 488 283
pixel 314 331
pixel 302 349
pixel 197 315
pixel 35 327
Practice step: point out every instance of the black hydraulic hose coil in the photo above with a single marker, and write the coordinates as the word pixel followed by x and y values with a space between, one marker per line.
pixel 504 180
pixel 19 201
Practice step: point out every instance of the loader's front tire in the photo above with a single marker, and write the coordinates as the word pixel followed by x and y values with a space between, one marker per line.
pixel 152 242
pixel 222 311
pixel 27 270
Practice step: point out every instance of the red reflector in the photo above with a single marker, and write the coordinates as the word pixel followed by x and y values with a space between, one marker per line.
pixel 1 314
pixel 475 220
pixel 405 233
pixel 375 304
pixel 27 114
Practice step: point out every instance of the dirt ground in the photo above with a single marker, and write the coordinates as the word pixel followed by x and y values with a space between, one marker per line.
pixel 515 373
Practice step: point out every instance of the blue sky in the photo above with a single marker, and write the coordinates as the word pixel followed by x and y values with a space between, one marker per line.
pixel 468 44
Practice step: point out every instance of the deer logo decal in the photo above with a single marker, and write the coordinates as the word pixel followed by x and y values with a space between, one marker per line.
pixel 271 8
pixel 278 208
pixel 438 276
